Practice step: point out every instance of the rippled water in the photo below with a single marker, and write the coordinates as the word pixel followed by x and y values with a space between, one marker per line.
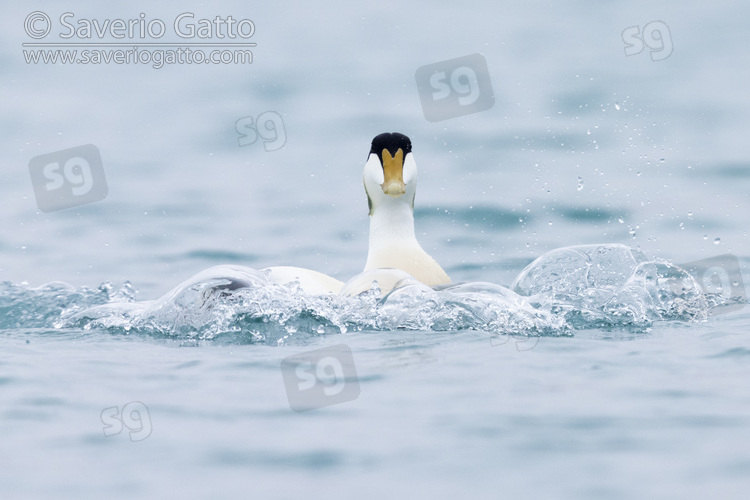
pixel 589 346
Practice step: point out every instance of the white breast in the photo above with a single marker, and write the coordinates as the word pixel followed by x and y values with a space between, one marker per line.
pixel 394 245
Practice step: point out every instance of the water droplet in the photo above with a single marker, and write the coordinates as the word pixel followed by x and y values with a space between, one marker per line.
pixel 690 213
pixel 717 241
pixel 638 173
pixel 321 329
pixel 617 106
pixel 620 220
pixel 580 183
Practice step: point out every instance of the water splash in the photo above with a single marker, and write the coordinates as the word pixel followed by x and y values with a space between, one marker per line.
pixel 591 286
pixel 611 285
pixel 244 305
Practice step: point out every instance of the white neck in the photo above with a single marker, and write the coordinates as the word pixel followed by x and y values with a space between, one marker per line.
pixel 392 224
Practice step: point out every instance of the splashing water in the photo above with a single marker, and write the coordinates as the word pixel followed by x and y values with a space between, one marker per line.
pixel 610 285
pixel 591 286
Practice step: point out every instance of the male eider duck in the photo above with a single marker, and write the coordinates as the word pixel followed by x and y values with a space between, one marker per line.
pixel 390 179
pixel 394 255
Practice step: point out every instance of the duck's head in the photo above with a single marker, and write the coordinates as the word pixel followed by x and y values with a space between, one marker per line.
pixel 390 172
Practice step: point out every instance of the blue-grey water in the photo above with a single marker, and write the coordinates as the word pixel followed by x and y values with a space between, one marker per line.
pixel 602 371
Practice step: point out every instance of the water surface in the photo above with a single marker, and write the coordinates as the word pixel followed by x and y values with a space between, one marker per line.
pixel 584 145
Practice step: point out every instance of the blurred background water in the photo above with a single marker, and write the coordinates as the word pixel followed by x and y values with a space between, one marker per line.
pixel 583 145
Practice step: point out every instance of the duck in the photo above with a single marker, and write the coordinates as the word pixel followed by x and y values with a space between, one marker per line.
pixel 395 259
pixel 390 179
pixel 394 256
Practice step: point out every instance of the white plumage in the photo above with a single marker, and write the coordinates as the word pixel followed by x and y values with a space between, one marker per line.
pixel 390 179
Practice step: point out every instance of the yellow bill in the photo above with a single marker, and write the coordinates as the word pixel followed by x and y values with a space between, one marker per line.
pixel 393 171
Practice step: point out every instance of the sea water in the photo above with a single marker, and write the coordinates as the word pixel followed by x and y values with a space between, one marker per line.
pixel 593 219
